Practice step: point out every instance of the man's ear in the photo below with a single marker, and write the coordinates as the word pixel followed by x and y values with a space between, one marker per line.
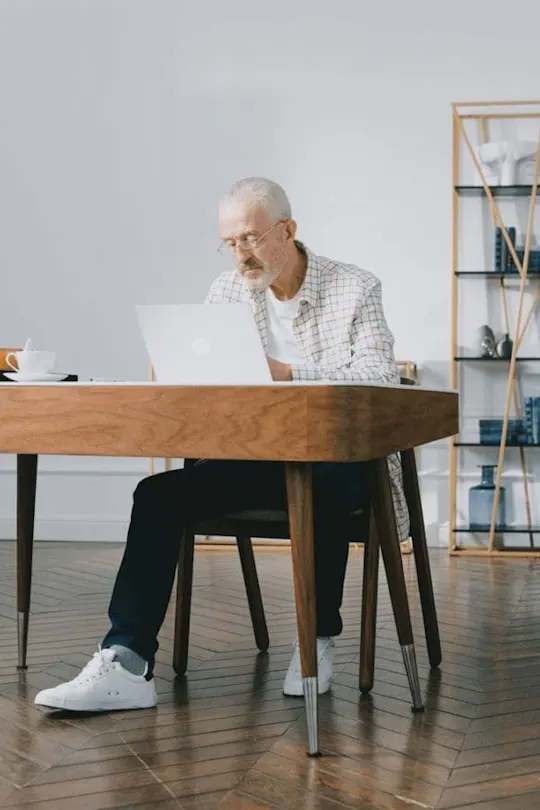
pixel 291 228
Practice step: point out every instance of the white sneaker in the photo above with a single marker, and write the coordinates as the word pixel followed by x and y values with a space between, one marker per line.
pixel 325 658
pixel 103 685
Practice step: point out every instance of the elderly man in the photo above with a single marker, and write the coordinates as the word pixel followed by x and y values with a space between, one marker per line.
pixel 318 319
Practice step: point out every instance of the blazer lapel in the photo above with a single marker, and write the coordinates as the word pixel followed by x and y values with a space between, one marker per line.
pixel 258 307
pixel 305 323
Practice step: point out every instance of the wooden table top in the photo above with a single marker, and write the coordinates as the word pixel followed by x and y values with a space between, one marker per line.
pixel 284 422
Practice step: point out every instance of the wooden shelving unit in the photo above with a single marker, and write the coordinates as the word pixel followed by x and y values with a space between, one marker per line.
pixel 480 115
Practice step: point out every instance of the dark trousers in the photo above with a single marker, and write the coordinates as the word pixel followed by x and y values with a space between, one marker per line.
pixel 164 502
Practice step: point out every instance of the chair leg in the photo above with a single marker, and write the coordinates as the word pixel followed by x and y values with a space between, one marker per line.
pixel 370 589
pixel 253 591
pixel 183 603
pixel 421 556
pixel 383 508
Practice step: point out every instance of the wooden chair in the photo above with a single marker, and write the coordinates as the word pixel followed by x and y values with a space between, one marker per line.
pixel 275 525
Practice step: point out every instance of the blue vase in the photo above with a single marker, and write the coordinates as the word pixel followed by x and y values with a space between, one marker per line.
pixel 481 498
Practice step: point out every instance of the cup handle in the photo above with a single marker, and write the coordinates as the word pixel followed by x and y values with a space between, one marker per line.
pixel 8 361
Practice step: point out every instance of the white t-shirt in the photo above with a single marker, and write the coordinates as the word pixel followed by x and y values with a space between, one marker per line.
pixel 282 343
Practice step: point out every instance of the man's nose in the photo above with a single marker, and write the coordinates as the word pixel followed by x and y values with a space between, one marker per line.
pixel 242 250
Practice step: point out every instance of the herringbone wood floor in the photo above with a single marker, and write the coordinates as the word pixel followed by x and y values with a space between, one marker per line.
pixel 226 737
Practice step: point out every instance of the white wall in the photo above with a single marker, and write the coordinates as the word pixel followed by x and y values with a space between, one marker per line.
pixel 122 122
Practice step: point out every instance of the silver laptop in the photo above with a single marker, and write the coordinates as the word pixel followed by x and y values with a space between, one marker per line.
pixel 203 344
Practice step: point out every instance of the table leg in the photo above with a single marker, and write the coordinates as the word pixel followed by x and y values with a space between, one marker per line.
pixel 299 493
pixel 26 503
pixel 421 556
pixel 368 622
pixel 383 508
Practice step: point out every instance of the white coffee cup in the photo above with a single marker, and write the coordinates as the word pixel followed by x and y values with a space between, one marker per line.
pixel 32 363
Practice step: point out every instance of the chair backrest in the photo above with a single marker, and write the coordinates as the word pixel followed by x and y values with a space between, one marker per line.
pixel 408 371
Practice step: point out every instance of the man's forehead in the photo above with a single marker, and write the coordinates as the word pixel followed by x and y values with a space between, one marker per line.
pixel 241 218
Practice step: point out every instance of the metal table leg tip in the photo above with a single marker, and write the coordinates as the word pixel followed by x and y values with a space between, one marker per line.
pixel 409 659
pixel 22 638
pixel 311 697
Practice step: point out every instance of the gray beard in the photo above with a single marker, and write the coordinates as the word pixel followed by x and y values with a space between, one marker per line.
pixel 262 282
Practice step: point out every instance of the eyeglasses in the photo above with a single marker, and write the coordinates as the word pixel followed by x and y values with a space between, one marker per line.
pixel 248 242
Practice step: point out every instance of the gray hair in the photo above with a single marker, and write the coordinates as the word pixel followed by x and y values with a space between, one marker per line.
pixel 259 190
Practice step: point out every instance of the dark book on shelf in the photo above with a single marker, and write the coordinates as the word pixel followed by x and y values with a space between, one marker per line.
pixel 532 419
pixel 503 261
pixel 509 262
pixel 490 431
pixel 498 258
pixel 534 261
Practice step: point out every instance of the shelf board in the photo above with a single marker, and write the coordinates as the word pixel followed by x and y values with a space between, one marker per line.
pixel 484 444
pixel 517 529
pixel 532 274
pixel 473 359
pixel 514 551
pixel 497 191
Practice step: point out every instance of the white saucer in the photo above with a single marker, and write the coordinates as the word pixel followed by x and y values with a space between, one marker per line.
pixel 51 376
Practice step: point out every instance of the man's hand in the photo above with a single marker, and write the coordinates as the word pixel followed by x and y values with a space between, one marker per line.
pixel 280 371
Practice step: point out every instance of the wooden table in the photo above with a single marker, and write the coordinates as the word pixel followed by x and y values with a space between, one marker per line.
pixel 295 423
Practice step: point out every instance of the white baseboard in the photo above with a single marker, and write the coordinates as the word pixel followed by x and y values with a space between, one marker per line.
pixel 69 530
pixel 90 530
pixel 437 535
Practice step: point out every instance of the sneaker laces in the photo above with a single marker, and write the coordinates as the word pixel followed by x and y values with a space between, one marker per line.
pixel 99 665
pixel 322 646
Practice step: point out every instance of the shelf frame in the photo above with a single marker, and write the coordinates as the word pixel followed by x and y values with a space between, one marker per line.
pixel 533 275
pixel 495 191
pixel 485 444
pixel 488 111
pixel 494 360
pixel 478 551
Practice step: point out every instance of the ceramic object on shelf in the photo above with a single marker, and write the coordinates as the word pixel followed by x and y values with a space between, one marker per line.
pixel 481 498
pixel 507 163
pixel 504 347
pixel 485 341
